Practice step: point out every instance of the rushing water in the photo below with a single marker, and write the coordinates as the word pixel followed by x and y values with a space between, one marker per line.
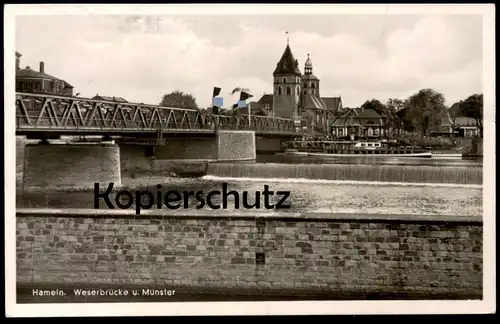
pixel 314 196
pixel 370 160
pixel 351 172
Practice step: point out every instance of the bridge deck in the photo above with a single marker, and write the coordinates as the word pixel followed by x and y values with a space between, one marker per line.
pixel 38 114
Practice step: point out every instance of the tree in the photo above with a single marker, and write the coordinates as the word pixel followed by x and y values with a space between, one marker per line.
pixel 405 120
pixel 397 108
pixel 426 110
pixel 388 112
pixel 472 107
pixel 395 104
pixel 179 99
pixel 375 105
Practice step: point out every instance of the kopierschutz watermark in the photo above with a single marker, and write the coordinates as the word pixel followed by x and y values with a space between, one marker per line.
pixel 173 199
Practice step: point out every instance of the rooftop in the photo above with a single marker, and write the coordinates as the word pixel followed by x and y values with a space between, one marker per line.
pixel 30 73
pixel 287 64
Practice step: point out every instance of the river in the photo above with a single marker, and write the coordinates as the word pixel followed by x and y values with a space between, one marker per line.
pixel 306 195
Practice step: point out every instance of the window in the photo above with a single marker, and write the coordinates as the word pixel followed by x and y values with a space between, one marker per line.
pixel 298 90
pixel 305 91
pixel 305 85
pixel 313 86
pixel 267 106
pixel 288 90
pixel 284 80
pixel 279 90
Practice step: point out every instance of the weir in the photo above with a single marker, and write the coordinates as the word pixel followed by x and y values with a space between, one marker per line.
pixel 353 172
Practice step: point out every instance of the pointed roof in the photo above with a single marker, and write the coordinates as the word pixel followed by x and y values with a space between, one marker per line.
pixel 287 64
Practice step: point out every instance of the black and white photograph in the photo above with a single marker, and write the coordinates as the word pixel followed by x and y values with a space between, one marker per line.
pixel 249 159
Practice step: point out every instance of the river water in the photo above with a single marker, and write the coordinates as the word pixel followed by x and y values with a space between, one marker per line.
pixel 306 195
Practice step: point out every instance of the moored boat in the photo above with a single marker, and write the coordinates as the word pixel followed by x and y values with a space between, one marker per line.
pixel 372 149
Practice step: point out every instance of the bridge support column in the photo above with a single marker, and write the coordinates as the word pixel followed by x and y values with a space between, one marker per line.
pixel 225 146
pixel 236 146
pixel 70 165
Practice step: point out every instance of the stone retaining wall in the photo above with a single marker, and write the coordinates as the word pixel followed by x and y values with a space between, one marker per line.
pixel 324 255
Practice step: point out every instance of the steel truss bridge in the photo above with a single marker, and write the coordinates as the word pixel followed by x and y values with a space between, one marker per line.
pixel 48 116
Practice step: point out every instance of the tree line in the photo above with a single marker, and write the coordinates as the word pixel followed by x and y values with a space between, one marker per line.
pixel 425 110
pixel 421 112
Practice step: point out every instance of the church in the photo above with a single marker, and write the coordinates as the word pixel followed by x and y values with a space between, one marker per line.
pixel 297 96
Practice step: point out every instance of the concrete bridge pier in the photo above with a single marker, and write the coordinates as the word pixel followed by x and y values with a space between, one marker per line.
pixel 225 146
pixel 189 155
pixel 76 165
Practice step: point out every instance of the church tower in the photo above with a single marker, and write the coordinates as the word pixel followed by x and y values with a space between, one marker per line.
pixel 287 89
pixel 310 83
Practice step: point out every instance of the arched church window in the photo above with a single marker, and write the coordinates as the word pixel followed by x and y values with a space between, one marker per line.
pixel 305 91
pixel 284 80
pixel 313 85
pixel 305 85
pixel 298 90
pixel 279 90
pixel 288 90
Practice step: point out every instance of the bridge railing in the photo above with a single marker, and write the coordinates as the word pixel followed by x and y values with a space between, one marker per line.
pixel 36 111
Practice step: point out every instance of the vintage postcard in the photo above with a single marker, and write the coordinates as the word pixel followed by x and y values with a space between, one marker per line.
pixel 273 159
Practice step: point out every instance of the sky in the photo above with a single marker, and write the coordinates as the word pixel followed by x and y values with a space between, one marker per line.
pixel 357 57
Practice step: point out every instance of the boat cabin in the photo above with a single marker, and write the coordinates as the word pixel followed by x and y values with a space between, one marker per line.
pixel 368 145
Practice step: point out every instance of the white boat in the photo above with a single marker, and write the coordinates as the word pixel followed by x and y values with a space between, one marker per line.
pixel 368 149
pixel 381 155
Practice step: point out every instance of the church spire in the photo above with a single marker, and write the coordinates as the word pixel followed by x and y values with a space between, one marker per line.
pixel 287 64
pixel 308 67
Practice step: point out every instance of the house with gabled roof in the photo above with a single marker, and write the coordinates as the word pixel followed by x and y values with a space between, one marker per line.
pixel 359 123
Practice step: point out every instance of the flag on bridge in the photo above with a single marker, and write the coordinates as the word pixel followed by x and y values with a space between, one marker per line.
pixel 238 89
pixel 245 95
pixel 217 102
pixel 216 92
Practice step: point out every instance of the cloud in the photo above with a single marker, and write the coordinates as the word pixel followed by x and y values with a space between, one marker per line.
pixel 357 57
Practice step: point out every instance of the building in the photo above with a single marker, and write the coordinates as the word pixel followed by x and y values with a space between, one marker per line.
pixel 453 123
pixel 106 98
pixel 31 81
pixel 465 126
pixel 296 96
pixel 359 123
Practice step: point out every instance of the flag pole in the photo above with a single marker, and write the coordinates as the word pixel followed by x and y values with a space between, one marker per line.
pixel 249 113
